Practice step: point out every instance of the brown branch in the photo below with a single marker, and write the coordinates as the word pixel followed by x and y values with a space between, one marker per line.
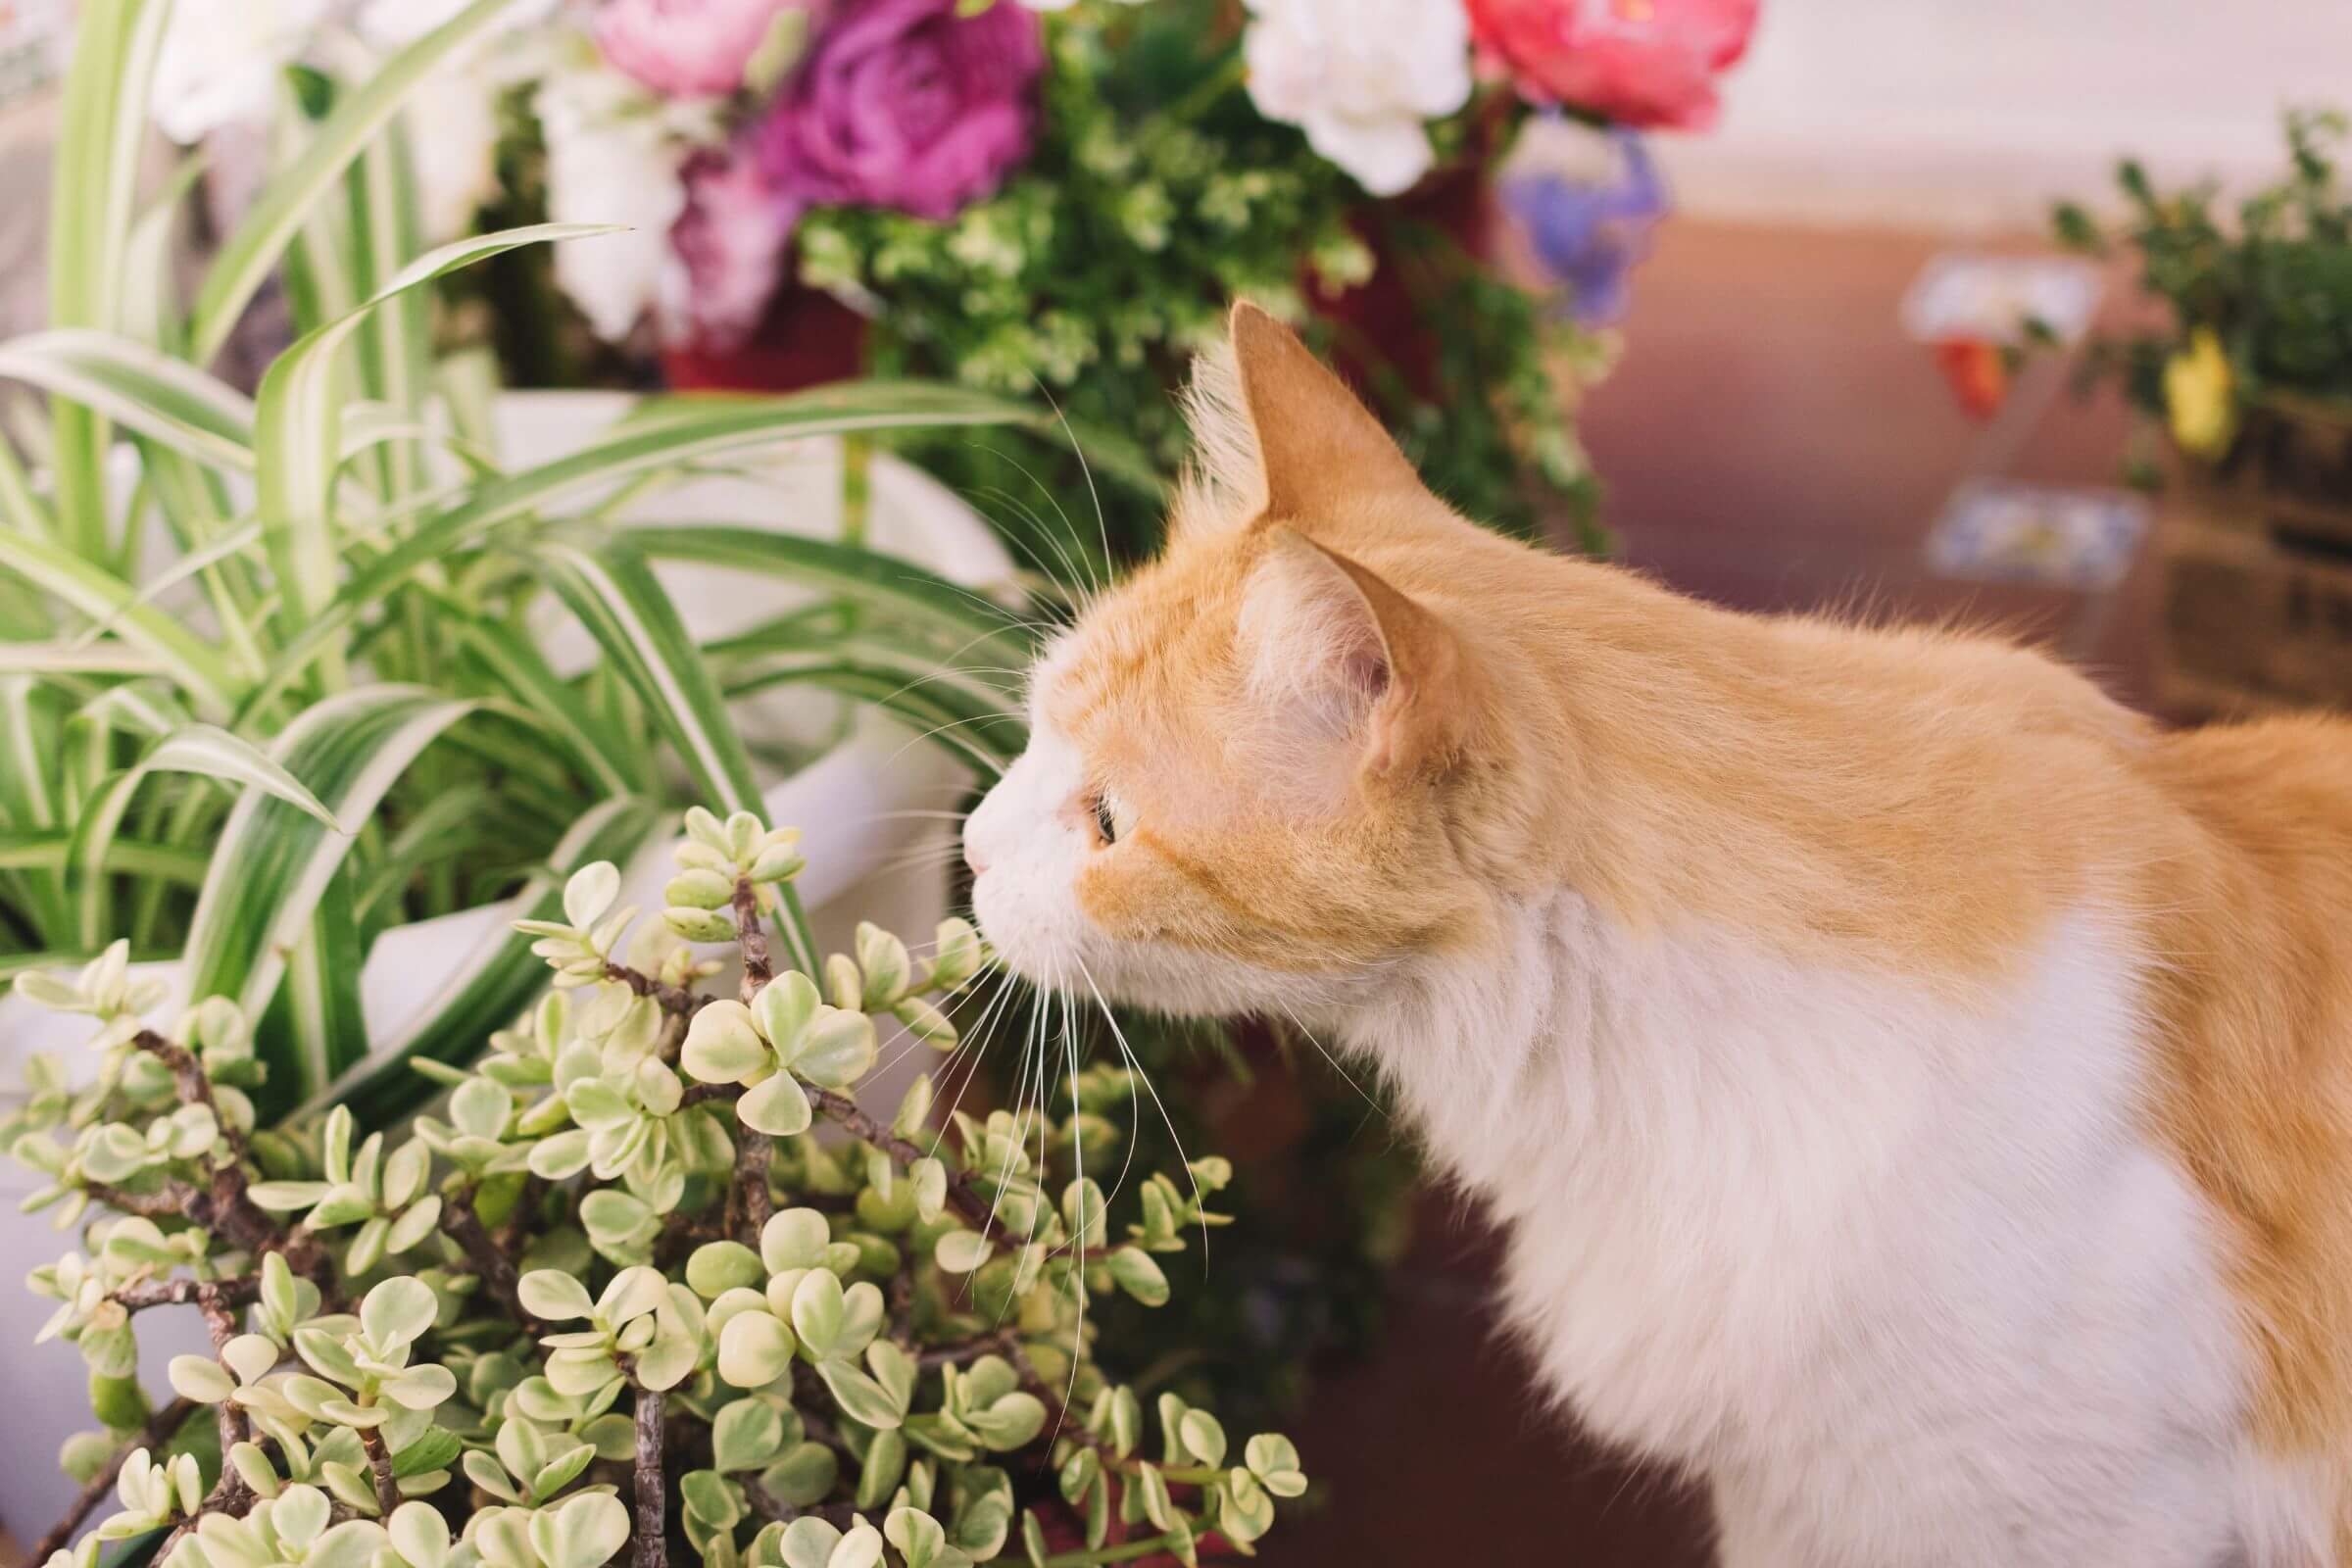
pixel 963 1193
pixel 226 1207
pixel 1060 1420
pixel 496 1270
pixel 217 1299
pixel 751 935
pixel 902 1298
pixel 233 1497
pixel 755 1151
pixel 840 1515
pixel 1001 1342
pixel 674 999
pixel 194 1087
pixel 210 1294
pixel 653 1544
pixel 514 1237
pixel 173 1201
pixel 379 1459
pixel 152 1436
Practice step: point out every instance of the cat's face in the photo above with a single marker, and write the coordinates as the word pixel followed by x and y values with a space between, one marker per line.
pixel 1242 761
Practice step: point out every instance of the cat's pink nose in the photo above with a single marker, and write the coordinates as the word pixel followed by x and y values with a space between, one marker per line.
pixel 972 858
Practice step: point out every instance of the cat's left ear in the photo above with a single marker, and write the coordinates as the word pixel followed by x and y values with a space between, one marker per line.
pixel 1330 635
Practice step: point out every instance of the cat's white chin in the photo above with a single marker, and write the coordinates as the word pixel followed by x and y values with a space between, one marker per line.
pixel 1056 948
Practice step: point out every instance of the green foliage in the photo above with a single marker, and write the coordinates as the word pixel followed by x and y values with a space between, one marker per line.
pixel 322 713
pixel 2268 284
pixel 651 1246
pixel 1154 197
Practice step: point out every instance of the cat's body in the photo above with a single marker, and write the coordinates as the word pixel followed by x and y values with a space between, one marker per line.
pixel 1919 1092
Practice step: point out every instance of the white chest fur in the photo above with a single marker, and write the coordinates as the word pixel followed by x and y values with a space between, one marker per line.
pixel 1902 1277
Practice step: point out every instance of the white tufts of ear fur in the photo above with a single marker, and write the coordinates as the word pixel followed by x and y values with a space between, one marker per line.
pixel 1224 484
pixel 1349 656
pixel 1313 637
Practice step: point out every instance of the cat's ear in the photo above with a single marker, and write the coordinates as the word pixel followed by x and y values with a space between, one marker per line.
pixel 1350 656
pixel 1316 444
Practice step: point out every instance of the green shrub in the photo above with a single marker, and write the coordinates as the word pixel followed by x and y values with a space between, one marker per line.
pixel 621 1260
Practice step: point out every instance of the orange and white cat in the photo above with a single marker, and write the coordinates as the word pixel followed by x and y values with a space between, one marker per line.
pixel 1918 1090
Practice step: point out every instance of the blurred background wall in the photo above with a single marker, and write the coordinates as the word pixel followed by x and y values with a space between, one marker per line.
pixel 1952 117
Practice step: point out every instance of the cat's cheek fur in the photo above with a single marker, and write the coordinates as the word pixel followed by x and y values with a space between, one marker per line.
pixel 1028 906
pixel 1905 1278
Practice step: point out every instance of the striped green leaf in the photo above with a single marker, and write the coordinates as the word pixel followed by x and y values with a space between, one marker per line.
pixel 358 117
pixel 976 728
pixel 32 721
pixel 708 428
pixel 54 853
pixel 597 748
pixel 198 749
pixel 143 388
pixel 192 663
pixel 616 596
pixel 298 428
pixel 275 862
pixel 76 657
pixel 891 585
pixel 102 127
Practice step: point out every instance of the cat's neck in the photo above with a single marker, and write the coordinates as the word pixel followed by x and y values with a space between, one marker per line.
pixel 1712 1163
pixel 1544 1066
pixel 1912 800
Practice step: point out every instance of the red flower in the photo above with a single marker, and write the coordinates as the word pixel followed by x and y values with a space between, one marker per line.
pixel 1642 63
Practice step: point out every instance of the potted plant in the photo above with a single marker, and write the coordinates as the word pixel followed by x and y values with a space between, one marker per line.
pixel 2248 375
pixel 618 1297
pixel 375 644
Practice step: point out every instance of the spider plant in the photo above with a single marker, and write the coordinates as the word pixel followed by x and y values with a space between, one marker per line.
pixel 268 682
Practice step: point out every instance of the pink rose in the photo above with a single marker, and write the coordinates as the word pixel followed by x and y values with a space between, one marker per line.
pixel 904 103
pixel 729 243
pixel 688 48
pixel 1642 63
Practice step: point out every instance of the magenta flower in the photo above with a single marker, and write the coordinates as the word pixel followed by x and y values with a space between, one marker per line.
pixel 730 243
pixel 688 48
pixel 904 103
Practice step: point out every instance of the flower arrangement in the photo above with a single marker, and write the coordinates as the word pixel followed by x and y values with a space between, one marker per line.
pixel 621 1261
pixel 2252 374
pixel 1015 193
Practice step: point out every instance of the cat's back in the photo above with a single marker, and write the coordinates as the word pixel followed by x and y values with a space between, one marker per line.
pixel 2250 919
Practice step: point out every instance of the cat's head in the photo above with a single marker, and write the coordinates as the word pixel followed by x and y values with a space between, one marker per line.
pixel 1247 772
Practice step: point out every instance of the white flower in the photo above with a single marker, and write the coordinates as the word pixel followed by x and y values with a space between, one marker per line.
pixel 613 155
pixel 396 21
pixel 1360 77
pixel 451 123
pixel 451 118
pixel 220 59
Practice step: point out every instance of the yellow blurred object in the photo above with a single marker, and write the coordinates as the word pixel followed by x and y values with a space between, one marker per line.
pixel 2198 397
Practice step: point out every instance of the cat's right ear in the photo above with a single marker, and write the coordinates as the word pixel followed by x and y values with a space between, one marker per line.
pixel 1348 656
pixel 1317 444
pixel 1276 434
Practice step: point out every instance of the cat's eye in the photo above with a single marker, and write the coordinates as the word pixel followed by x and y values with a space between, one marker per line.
pixel 1106 819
